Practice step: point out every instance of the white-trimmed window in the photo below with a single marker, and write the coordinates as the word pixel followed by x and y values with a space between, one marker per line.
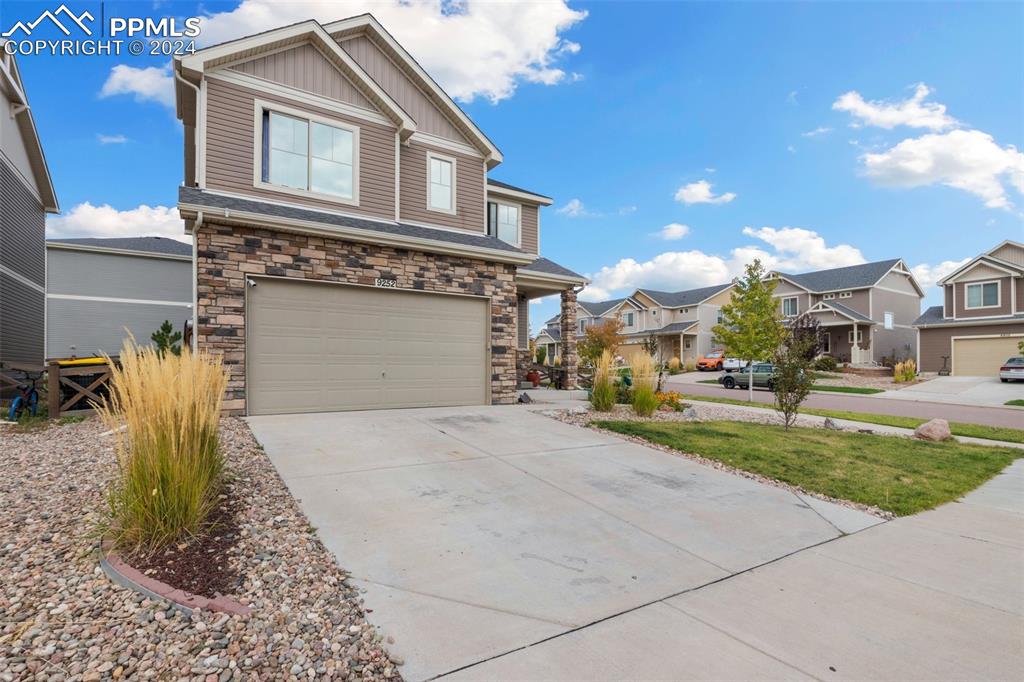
pixel 889 322
pixel 504 221
pixel 828 297
pixel 628 319
pixel 309 155
pixel 982 295
pixel 860 336
pixel 790 306
pixel 583 325
pixel 440 183
pixel 826 343
pixel 845 294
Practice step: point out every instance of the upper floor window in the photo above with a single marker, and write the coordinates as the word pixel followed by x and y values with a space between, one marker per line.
pixel 627 319
pixel 583 325
pixel 503 221
pixel 828 297
pixel 441 183
pixel 983 295
pixel 845 294
pixel 888 320
pixel 308 155
pixel 790 306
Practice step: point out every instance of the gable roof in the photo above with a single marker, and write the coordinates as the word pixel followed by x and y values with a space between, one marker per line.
pixel 554 332
pixel 367 24
pixel 14 88
pixel 933 317
pixel 550 267
pixel 986 257
pixel 598 308
pixel 849 277
pixel 149 245
pixel 503 188
pixel 193 66
pixel 843 310
pixel 679 299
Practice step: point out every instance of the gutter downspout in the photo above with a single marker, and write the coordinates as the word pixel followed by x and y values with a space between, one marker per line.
pixel 195 278
pixel 178 77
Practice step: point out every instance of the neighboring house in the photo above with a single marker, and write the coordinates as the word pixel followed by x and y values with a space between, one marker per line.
pixel 866 311
pixel 101 290
pixel 981 320
pixel 352 252
pixel 26 196
pixel 550 339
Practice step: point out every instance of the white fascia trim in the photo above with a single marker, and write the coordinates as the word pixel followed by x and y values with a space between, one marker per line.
pixel 987 262
pixel 300 96
pixel 515 194
pixel 117 252
pixel 545 277
pixel 901 268
pixel 973 263
pixel 111 299
pixel 1005 242
pixel 357 234
pixel 446 144
pixel 197 62
pixel 973 322
pixel 982 283
pixel 491 153
pixel 22 278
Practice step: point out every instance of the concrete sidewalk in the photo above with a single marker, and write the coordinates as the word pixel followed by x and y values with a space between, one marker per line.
pixel 938 595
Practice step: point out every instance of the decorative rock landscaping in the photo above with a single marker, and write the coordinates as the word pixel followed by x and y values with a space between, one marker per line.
pixel 61 618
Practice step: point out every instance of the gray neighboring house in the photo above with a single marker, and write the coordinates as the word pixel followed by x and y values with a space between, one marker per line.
pixel 99 290
pixel 26 196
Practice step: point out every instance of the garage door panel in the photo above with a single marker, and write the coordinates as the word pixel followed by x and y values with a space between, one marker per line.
pixel 983 356
pixel 322 347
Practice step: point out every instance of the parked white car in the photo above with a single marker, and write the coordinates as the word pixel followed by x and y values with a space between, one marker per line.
pixel 1012 369
pixel 733 364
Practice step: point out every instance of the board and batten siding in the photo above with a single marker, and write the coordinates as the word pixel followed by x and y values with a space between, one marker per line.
pixel 469 190
pixel 429 118
pixel 23 257
pixel 156 289
pixel 231 140
pixel 305 68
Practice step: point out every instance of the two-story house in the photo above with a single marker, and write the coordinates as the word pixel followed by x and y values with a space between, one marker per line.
pixel 26 196
pixel 866 311
pixel 351 250
pixel 981 320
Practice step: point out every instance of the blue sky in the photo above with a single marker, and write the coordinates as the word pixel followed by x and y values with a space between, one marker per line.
pixel 797 132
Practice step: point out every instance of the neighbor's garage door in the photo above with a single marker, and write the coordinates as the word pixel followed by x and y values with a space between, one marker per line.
pixel 982 357
pixel 327 347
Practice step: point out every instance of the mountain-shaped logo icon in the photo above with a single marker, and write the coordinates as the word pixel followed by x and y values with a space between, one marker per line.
pixel 78 20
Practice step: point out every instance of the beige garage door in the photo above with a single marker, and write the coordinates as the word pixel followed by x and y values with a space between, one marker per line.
pixel 982 357
pixel 328 347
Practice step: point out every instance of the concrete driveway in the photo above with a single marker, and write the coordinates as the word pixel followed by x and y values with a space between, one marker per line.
pixel 961 391
pixel 494 543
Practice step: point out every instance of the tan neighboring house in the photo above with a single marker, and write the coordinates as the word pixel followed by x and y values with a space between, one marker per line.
pixel 351 250
pixel 866 311
pixel 981 320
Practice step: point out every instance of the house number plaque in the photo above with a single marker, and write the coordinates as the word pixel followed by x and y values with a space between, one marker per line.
pixel 385 282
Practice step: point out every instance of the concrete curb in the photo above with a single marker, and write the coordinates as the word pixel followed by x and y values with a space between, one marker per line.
pixel 124 575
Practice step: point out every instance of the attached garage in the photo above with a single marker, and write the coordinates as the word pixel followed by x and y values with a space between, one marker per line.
pixel 321 347
pixel 982 356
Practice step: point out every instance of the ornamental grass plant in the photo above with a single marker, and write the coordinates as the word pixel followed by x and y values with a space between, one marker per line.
pixel 603 395
pixel 645 402
pixel 163 413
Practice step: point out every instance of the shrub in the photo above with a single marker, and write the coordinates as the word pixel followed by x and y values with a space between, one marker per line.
pixel 791 381
pixel 644 400
pixel 672 399
pixel 904 371
pixel 598 338
pixel 163 411
pixel 690 366
pixel 826 363
pixel 557 362
pixel 603 394
pixel 542 354
pixel 623 393
pixel 674 366
pixel 166 339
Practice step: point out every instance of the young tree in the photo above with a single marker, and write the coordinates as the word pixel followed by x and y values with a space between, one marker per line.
pixel 750 328
pixel 166 339
pixel 806 332
pixel 653 348
pixel 598 338
pixel 792 379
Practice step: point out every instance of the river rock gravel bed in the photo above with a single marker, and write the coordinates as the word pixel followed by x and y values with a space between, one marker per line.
pixel 62 619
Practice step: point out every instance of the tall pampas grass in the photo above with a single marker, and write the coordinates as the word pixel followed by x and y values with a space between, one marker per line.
pixel 602 396
pixel 645 402
pixel 163 412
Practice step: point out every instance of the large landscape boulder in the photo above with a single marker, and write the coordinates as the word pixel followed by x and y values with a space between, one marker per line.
pixel 936 430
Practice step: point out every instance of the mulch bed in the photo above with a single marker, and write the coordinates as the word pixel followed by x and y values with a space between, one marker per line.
pixel 200 565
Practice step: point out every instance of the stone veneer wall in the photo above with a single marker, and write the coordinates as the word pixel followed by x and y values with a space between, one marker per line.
pixel 227 254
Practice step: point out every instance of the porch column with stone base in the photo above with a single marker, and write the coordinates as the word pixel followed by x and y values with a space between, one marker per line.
pixel 568 318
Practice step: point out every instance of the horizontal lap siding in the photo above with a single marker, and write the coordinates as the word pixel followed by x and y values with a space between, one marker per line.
pixel 1005 300
pixel 82 273
pixel 938 342
pixel 22 228
pixel 21 323
pixel 469 190
pixel 230 147
pixel 530 237
pixel 85 328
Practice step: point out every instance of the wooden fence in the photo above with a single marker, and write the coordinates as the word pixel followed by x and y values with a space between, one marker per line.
pixel 69 389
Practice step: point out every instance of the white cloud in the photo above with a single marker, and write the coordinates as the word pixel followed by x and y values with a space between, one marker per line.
pixel 86 220
pixel 673 231
pixel 148 84
pixel 627 210
pixel 111 139
pixel 793 249
pixel 574 208
pixel 791 149
pixel 913 111
pixel 929 275
pixel 474 48
pixel 700 193
pixel 969 160
pixel 820 130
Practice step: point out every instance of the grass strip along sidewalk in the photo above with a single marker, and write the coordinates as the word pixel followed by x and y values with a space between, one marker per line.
pixel 1002 433
pixel 900 475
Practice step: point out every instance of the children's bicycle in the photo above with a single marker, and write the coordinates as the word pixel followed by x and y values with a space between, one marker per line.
pixel 27 400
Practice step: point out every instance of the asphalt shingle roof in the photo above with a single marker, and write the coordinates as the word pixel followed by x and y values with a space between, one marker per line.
pixel 505 185
pixel 678 299
pixel 933 315
pixel 143 244
pixel 198 197
pixel 554 332
pixel 850 277
pixel 550 267
pixel 596 308
pixel 848 311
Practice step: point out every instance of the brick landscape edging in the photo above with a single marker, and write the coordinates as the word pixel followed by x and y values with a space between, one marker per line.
pixel 126 576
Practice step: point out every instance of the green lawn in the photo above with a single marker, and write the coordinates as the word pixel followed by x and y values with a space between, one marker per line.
pixel 896 474
pixel 821 387
pixel 1015 403
pixel 957 428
